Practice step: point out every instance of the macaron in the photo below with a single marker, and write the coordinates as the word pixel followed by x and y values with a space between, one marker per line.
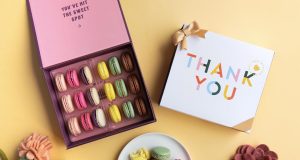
pixel 114 113
pixel 102 70
pixel 140 106
pixel 72 78
pixel 98 117
pixel 67 103
pixel 86 75
pixel 127 62
pixel 60 82
pixel 74 127
pixel 140 154
pixel 93 96
pixel 86 121
pixel 133 83
pixel 114 66
pixel 80 101
pixel 161 153
pixel 3 155
pixel 128 110
pixel 121 88
pixel 109 91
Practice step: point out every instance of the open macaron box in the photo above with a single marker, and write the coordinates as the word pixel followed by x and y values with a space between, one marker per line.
pixel 76 33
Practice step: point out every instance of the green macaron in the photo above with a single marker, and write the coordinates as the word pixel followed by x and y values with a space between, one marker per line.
pixel 128 109
pixel 121 88
pixel 114 66
pixel 161 153
pixel 2 155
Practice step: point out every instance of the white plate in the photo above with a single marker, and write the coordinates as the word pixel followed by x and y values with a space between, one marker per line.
pixel 150 140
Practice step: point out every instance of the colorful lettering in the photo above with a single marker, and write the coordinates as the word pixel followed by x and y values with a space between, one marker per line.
pixel 209 88
pixel 247 78
pixel 232 93
pixel 190 59
pixel 206 65
pixel 218 70
pixel 234 75
pixel 215 87
pixel 199 81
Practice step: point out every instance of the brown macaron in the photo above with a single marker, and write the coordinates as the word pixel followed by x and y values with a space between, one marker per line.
pixel 140 106
pixel 127 62
pixel 133 83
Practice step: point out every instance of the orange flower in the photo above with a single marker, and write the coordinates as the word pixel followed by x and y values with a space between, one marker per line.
pixel 35 147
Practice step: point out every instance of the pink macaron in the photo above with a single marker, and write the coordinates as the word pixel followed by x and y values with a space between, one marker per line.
pixel 72 78
pixel 86 121
pixel 80 101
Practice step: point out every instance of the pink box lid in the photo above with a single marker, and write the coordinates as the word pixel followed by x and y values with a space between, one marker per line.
pixel 68 29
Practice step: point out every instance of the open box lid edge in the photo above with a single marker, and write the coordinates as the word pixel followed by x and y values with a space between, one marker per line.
pixel 37 43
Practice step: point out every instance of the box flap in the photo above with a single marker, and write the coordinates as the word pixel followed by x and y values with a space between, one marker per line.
pixel 68 29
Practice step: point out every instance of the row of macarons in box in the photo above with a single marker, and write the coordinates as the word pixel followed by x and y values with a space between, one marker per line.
pixel 108 92
pixel 86 75
pixel 88 120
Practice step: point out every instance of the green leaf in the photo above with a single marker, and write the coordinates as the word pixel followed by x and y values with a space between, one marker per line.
pixel 2 155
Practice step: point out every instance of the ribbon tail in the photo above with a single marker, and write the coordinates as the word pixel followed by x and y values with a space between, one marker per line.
pixel 201 33
pixel 176 38
pixel 184 44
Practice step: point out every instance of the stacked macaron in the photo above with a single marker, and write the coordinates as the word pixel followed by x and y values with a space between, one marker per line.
pixel 133 83
pixel 60 82
pixel 114 113
pixel 109 91
pixel 121 88
pixel 128 110
pixel 127 62
pixel 93 96
pixel 72 78
pixel 102 70
pixel 80 100
pixel 98 117
pixel 140 106
pixel 97 96
pixel 156 153
pixel 87 122
pixel 74 127
pixel 161 153
pixel 67 103
pixel 86 75
pixel 114 66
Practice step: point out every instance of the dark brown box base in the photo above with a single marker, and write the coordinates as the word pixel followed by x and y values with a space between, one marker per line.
pixel 111 128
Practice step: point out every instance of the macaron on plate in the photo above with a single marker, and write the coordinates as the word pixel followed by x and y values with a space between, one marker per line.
pixel 151 140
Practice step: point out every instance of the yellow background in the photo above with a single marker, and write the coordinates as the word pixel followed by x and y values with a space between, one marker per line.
pixel 25 105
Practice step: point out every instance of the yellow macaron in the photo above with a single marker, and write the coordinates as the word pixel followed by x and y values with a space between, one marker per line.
pixel 114 113
pixel 109 91
pixel 102 70
pixel 141 154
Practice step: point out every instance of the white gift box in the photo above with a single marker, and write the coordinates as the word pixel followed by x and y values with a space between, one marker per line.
pixel 218 79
